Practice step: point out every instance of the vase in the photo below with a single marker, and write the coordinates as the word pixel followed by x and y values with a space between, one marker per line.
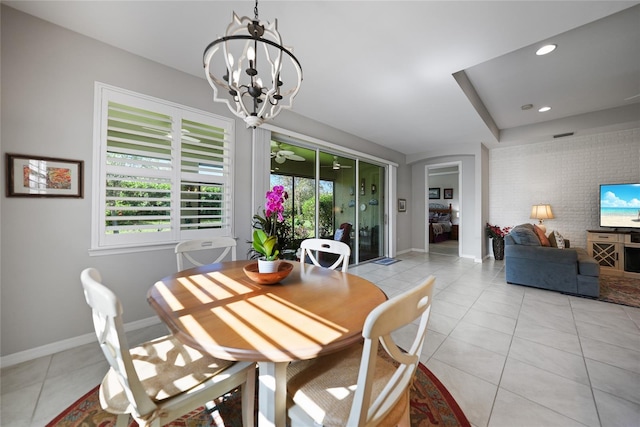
pixel 265 266
pixel 498 249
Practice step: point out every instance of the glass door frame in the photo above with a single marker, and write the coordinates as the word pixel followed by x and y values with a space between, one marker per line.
pixel 261 172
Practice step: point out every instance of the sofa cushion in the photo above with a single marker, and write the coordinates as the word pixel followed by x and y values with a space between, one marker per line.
pixel 556 240
pixel 524 235
pixel 543 239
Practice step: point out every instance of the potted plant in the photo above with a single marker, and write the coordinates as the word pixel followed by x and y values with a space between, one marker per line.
pixel 266 246
pixel 497 234
pixel 265 235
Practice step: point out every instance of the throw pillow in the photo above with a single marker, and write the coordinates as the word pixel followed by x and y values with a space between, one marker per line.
pixel 524 236
pixel 543 239
pixel 338 235
pixel 556 239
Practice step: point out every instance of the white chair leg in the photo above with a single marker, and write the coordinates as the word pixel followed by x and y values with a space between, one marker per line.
pixel 249 399
pixel 405 420
pixel 122 420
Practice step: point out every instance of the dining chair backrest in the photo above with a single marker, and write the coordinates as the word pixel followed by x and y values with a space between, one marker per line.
pixel 209 251
pixel 107 321
pixel 397 312
pixel 322 392
pixel 312 249
pixel 159 380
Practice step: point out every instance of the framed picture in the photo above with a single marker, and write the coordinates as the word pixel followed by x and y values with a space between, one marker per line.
pixel 434 192
pixel 402 205
pixel 448 193
pixel 34 176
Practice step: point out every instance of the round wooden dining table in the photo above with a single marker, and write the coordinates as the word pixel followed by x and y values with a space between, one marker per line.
pixel 217 309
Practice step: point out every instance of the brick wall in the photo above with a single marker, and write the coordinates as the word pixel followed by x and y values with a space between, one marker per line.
pixel 565 173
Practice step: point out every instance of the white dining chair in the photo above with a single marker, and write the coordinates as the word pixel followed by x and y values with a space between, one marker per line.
pixel 313 248
pixel 162 379
pixel 208 250
pixel 366 384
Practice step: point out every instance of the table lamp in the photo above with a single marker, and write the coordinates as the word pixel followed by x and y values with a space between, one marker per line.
pixel 541 212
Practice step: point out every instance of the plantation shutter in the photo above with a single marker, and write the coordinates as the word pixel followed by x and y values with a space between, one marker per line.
pixel 205 196
pixel 164 173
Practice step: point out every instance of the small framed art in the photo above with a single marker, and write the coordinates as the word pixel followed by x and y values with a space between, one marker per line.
pixel 36 176
pixel 448 193
pixel 402 205
pixel 434 192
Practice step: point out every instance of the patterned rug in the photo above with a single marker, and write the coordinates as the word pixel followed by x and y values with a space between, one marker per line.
pixel 431 405
pixel 620 290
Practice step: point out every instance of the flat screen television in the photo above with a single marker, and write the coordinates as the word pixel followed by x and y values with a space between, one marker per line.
pixel 620 205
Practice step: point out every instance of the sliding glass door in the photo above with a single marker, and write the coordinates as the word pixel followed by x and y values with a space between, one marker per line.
pixel 292 167
pixel 371 211
pixel 331 196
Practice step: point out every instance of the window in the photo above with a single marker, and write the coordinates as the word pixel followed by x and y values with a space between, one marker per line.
pixel 162 172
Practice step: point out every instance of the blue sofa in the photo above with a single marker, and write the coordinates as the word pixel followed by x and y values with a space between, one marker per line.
pixel 567 270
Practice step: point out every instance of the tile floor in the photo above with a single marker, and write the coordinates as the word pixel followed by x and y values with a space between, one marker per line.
pixel 511 356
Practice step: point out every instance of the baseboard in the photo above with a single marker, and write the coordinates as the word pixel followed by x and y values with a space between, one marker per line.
pixel 56 347
pixel 412 250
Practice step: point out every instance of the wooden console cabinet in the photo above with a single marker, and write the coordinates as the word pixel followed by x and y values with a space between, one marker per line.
pixel 608 249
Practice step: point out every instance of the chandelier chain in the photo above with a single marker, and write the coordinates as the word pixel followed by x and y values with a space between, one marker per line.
pixel 255 11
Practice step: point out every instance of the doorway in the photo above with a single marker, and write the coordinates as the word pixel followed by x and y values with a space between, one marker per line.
pixel 443 208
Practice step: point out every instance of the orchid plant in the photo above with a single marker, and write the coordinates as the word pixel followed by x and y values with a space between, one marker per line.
pixel 265 235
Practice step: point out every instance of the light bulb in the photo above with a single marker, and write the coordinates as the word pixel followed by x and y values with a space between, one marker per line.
pixel 251 54
pixel 546 49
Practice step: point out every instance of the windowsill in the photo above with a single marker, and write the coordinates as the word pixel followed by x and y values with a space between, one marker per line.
pixel 130 249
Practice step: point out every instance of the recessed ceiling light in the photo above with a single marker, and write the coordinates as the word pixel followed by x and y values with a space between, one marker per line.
pixel 543 109
pixel 546 49
pixel 527 107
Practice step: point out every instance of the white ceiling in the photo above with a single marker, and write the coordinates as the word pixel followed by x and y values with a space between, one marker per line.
pixel 383 70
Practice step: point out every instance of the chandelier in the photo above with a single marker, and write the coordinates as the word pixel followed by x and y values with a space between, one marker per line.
pixel 255 67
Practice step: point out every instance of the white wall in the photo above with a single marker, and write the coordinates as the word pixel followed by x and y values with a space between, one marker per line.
pixel 48 76
pixel 566 173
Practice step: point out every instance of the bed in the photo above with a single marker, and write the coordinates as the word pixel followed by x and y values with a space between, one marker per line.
pixel 439 222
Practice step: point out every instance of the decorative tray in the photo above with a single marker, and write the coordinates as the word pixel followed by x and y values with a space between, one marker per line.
pixel 251 270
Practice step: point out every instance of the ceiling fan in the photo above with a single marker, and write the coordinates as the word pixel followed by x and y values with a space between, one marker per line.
pixel 336 164
pixel 282 156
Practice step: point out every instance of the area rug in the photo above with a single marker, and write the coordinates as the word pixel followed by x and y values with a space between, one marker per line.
pixel 620 290
pixel 431 406
pixel 386 261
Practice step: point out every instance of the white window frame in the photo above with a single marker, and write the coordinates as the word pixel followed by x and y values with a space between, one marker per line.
pixel 107 243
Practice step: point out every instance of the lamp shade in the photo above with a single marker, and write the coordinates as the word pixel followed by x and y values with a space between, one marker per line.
pixel 541 212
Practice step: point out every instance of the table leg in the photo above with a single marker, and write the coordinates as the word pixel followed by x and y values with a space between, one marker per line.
pixel 272 394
